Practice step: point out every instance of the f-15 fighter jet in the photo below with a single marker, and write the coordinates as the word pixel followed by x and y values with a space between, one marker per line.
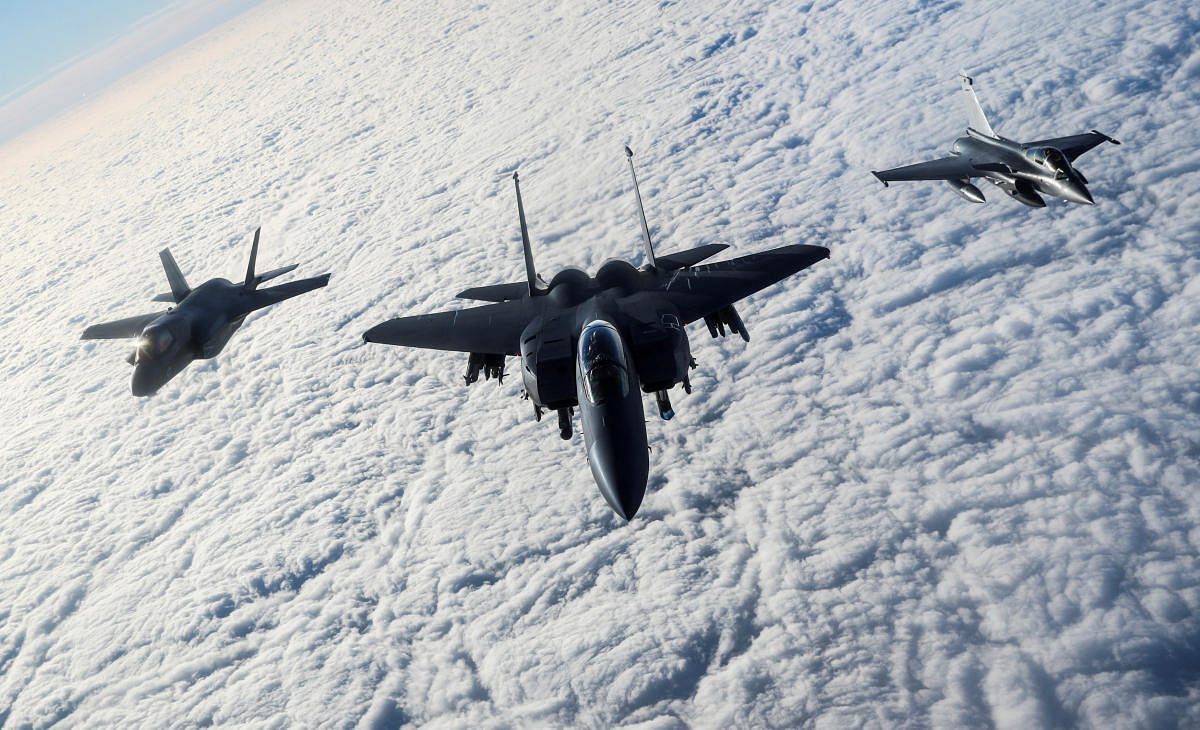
pixel 201 323
pixel 1025 171
pixel 591 341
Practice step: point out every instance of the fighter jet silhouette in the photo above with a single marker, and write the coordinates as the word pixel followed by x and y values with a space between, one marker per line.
pixel 1020 169
pixel 201 323
pixel 592 341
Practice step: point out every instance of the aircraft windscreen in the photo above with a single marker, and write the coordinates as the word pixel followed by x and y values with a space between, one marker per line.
pixel 1052 158
pixel 605 382
pixel 1058 161
pixel 154 343
pixel 602 358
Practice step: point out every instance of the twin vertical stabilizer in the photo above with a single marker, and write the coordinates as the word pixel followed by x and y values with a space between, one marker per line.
pixel 251 283
pixel 530 273
pixel 179 285
pixel 641 212
pixel 489 293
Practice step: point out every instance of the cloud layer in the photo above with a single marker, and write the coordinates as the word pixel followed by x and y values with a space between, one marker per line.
pixel 951 481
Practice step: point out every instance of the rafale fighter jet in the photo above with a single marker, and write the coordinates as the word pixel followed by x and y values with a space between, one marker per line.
pixel 592 341
pixel 1023 170
pixel 201 323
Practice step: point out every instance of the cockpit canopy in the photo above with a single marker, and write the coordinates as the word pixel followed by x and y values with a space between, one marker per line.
pixel 1051 158
pixel 603 363
pixel 154 343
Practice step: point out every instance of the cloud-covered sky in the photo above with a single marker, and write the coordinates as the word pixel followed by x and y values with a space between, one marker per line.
pixel 950 482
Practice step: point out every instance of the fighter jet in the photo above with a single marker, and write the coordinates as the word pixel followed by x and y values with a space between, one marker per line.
pixel 1023 170
pixel 591 341
pixel 199 325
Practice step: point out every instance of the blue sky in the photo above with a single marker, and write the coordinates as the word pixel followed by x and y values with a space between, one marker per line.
pixel 54 53
pixel 36 38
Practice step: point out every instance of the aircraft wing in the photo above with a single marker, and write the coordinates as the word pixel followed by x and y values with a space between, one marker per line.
pixel 1075 145
pixel 490 329
pixel 703 290
pixel 120 329
pixel 946 168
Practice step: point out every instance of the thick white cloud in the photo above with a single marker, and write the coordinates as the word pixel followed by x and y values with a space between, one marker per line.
pixel 951 481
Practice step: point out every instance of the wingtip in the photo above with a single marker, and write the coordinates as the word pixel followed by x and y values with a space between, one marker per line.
pixel 876 174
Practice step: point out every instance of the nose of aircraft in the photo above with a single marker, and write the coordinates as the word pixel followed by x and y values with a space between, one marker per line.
pixel 621 478
pixel 145 381
pixel 1078 193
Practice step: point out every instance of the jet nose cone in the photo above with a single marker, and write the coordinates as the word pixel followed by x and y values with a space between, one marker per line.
pixel 1080 194
pixel 144 382
pixel 622 481
pixel 627 503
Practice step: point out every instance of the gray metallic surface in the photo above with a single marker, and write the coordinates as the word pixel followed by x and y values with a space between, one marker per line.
pixel 1024 171
pixel 200 326
pixel 648 309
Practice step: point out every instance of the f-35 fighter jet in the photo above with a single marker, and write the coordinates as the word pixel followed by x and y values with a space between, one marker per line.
pixel 201 323
pixel 1025 171
pixel 590 342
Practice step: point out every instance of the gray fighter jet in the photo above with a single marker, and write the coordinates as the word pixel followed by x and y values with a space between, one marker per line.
pixel 591 341
pixel 1023 170
pixel 201 323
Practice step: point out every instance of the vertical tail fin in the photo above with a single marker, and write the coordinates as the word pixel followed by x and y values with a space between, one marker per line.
pixel 975 116
pixel 179 286
pixel 250 282
pixel 530 273
pixel 641 212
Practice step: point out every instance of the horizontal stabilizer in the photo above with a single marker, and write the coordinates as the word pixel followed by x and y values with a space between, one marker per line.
pixel 273 295
pixel 684 259
pixel 495 292
pixel 260 278
pixel 166 296
pixel 120 329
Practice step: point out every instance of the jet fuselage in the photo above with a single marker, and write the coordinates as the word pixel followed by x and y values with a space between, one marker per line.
pixel 590 342
pixel 1030 170
pixel 611 416
pixel 199 328
pixel 635 341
